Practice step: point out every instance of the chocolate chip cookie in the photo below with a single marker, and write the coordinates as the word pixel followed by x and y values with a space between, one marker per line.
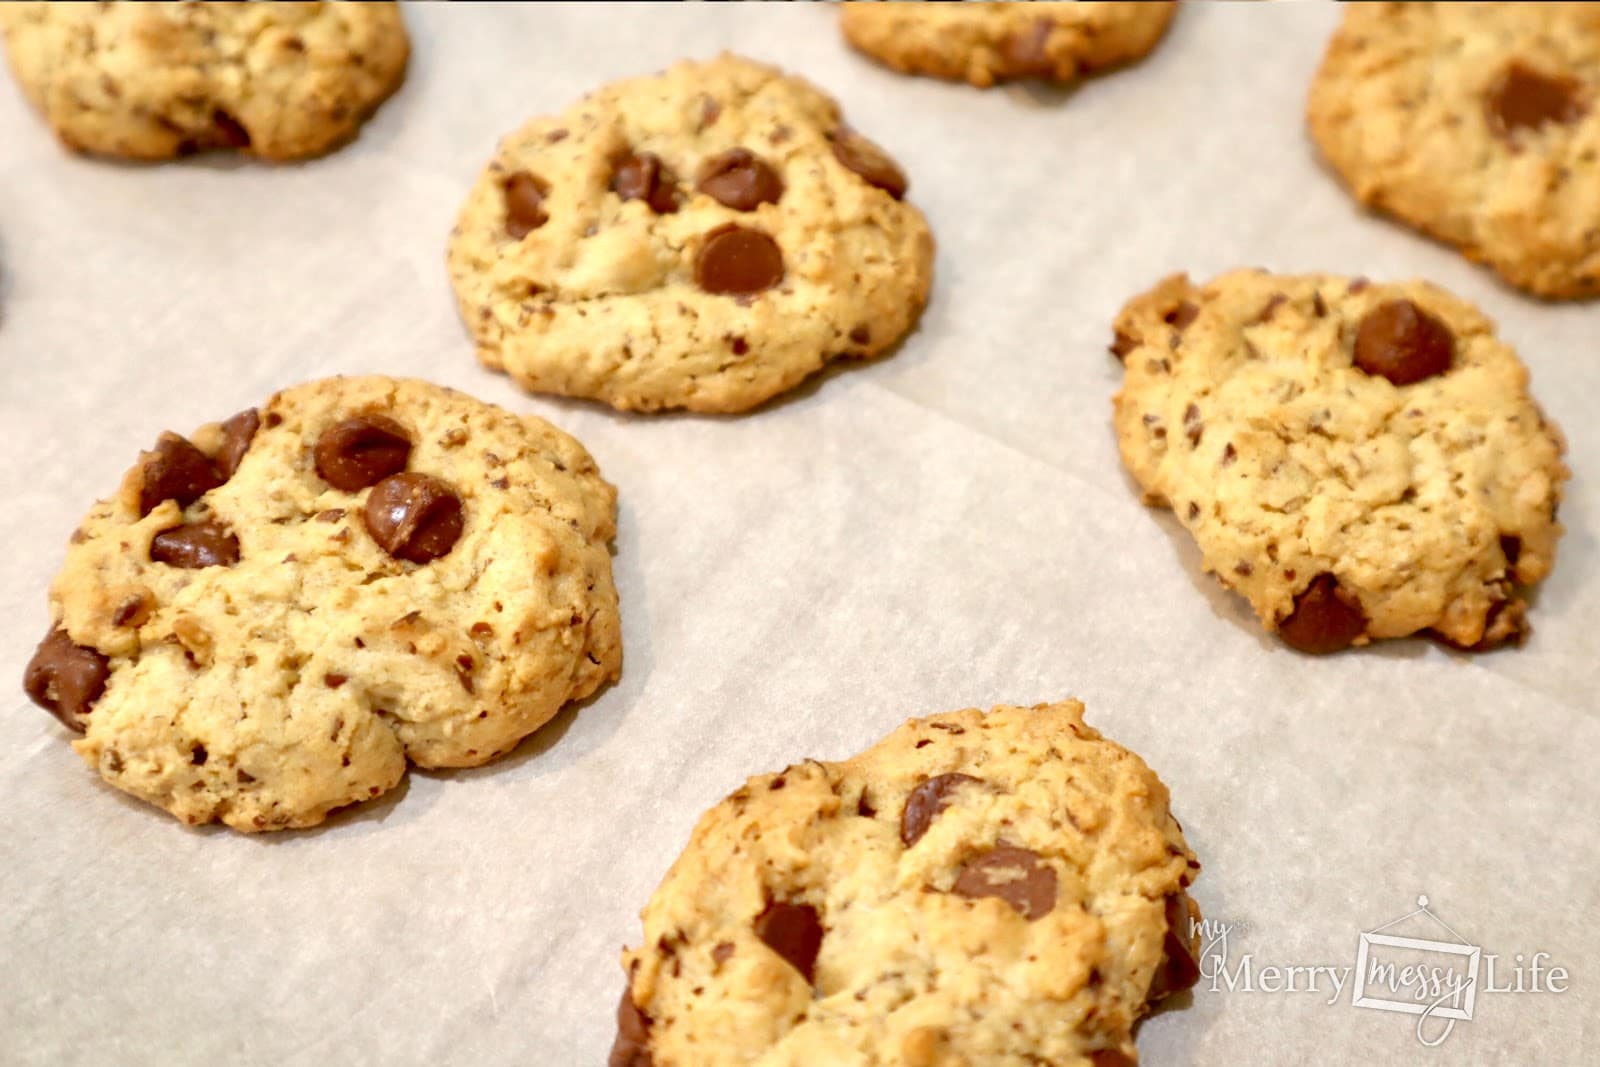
pixel 1001 889
pixel 153 81
pixel 272 615
pixel 1358 460
pixel 1478 124
pixel 988 43
pixel 703 239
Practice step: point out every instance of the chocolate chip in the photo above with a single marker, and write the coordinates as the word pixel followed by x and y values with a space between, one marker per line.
pixel 65 679
pixel 739 179
pixel 645 177
pixel 1524 98
pixel 175 470
pixel 867 160
pixel 794 932
pixel 1110 1057
pixel 334 681
pixel 1122 344
pixel 1506 623
pixel 131 612
pixel 414 517
pixel 1015 875
pixel 1193 428
pixel 925 803
pixel 198 755
pixel 861 334
pixel 722 952
pixel 361 451
pixel 1511 548
pixel 195 545
pixel 632 1046
pixel 1181 316
pixel 1271 307
pixel 227 131
pixel 1403 343
pixel 1325 618
pixel 237 433
pixel 524 196
pixel 737 260
pixel 1027 54
pixel 1178 969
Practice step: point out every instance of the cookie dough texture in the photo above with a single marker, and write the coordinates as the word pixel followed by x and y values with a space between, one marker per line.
pixel 1001 888
pixel 1245 410
pixel 580 272
pixel 1478 124
pixel 988 43
pixel 153 81
pixel 301 676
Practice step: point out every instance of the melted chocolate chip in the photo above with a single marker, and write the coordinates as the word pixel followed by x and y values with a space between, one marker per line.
pixel 524 195
pixel 1181 316
pixel 871 163
pixel 1401 342
pixel 645 177
pixel 237 433
pixel 65 679
pixel 1523 98
pixel 926 802
pixel 131 612
pixel 739 179
pixel 414 517
pixel 1325 618
pixel 175 470
pixel 1511 548
pixel 1178 969
pixel 227 131
pixel 794 932
pixel 1027 54
pixel 632 1046
pixel 361 451
pixel 1110 1057
pixel 738 261
pixel 195 545
pixel 1014 875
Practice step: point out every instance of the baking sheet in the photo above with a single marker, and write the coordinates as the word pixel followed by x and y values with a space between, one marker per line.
pixel 946 527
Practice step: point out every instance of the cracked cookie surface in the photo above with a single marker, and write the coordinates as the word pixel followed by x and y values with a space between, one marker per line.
pixel 1002 888
pixel 988 43
pixel 153 81
pixel 1358 460
pixel 1478 124
pixel 269 618
pixel 704 238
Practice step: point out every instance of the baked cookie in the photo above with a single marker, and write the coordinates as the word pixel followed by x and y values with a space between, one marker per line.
pixel 1358 460
pixel 700 239
pixel 158 80
pixel 270 617
pixel 1476 123
pixel 1004 889
pixel 988 43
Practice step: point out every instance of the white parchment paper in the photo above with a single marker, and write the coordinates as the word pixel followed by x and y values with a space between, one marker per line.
pixel 944 528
